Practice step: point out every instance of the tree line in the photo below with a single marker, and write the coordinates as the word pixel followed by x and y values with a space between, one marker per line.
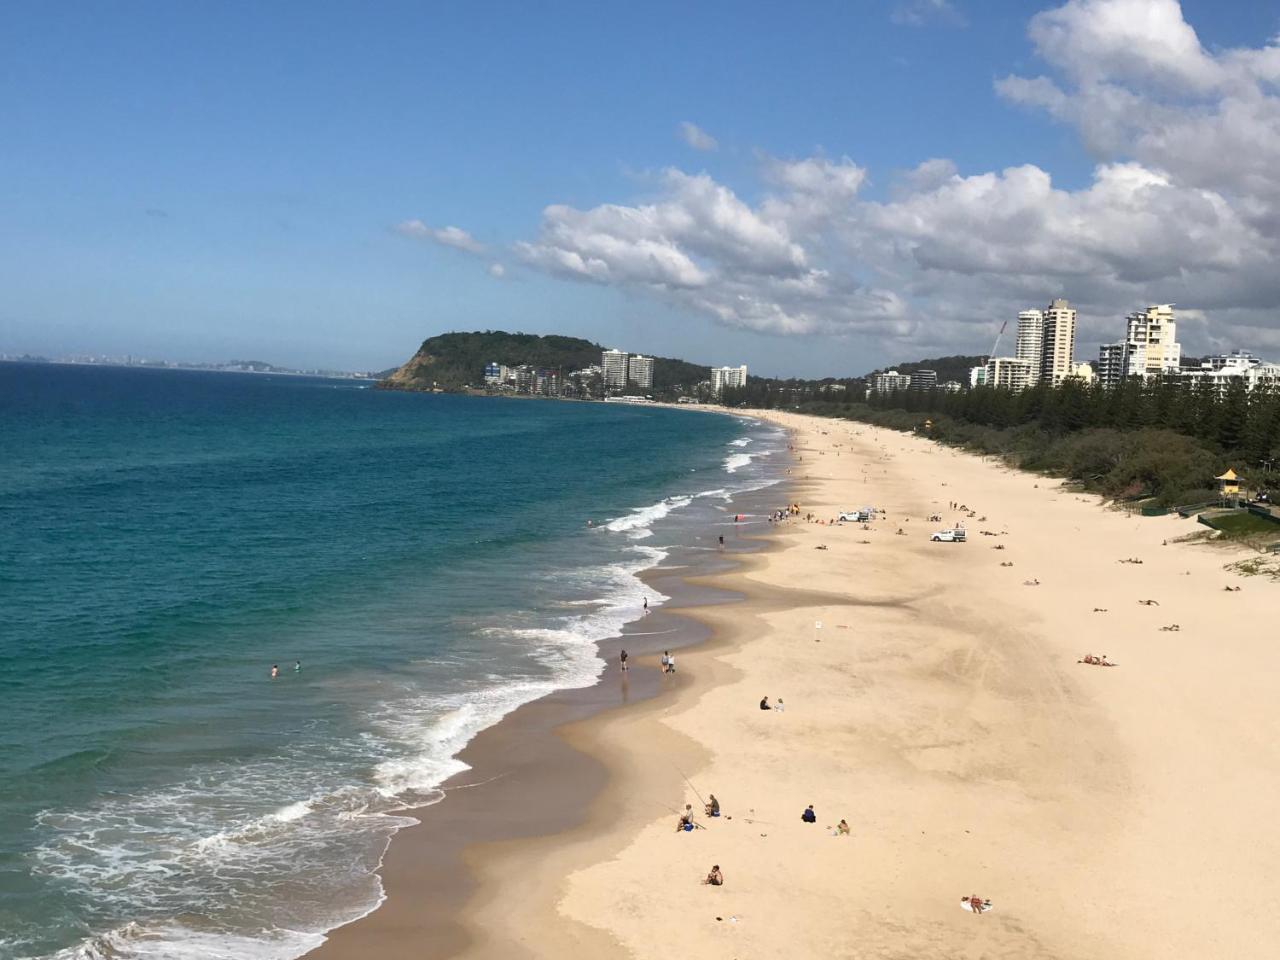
pixel 1158 438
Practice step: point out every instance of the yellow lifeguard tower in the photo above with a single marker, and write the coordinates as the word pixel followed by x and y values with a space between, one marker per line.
pixel 1229 484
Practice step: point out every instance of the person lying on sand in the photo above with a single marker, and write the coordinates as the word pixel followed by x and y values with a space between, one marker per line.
pixel 1150 603
pixel 715 878
pixel 1099 609
pixel 976 904
pixel 1031 583
pixel 1101 661
pixel 1171 628
pixel 1007 563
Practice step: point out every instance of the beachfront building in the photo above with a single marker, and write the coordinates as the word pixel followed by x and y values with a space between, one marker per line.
pixel 1030 346
pixel 525 378
pixel 640 372
pixel 924 379
pixel 1223 370
pixel 1111 363
pixel 888 382
pixel 1009 373
pixel 614 364
pixel 1151 342
pixel 496 374
pixel 722 377
pixel 1082 371
pixel 978 376
pixel 1058 352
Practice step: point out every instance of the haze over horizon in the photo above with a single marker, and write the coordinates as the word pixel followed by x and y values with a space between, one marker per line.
pixel 817 193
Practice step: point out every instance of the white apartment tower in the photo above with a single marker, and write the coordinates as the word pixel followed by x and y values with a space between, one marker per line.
pixel 1031 340
pixel 1151 342
pixel 640 371
pixel 1056 358
pixel 722 377
pixel 614 364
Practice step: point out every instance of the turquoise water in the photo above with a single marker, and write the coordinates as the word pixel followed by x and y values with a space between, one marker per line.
pixel 165 537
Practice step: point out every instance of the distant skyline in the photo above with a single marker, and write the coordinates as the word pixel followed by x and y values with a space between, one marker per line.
pixel 815 191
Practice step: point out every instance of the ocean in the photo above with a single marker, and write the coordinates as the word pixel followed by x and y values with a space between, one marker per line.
pixel 432 562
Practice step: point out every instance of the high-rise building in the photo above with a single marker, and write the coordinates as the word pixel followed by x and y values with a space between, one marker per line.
pixel 924 379
pixel 1152 343
pixel 1111 363
pixel 888 382
pixel 722 377
pixel 614 363
pixel 640 371
pixel 1031 340
pixel 1010 373
pixel 496 373
pixel 978 376
pixel 1056 357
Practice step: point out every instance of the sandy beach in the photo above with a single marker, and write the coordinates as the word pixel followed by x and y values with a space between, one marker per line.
pixel 933 699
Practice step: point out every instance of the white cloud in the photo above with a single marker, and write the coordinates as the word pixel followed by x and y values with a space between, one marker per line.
pixel 696 137
pixel 454 237
pixel 497 271
pixel 1183 206
pixel 922 13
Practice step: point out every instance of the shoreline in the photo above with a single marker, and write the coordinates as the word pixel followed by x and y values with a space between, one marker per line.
pixel 529 747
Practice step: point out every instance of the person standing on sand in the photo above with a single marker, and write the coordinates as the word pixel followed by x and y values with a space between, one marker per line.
pixel 666 660
pixel 623 657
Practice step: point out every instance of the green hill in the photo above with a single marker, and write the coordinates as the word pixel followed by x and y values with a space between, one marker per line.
pixel 453 361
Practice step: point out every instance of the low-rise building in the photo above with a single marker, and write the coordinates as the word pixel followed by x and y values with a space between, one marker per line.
pixel 1010 373
pixel 924 379
pixel 888 382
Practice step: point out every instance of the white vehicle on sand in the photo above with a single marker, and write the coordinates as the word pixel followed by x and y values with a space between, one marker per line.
pixel 949 536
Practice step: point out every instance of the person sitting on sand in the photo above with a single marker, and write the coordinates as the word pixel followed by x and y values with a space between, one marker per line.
pixel 764 704
pixel 715 878
pixel 713 806
pixel 779 706
pixel 686 818
pixel 842 828
pixel 809 816
pixel 976 904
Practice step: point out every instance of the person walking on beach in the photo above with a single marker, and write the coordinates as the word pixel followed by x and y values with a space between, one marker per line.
pixel 666 660
pixel 671 664
pixel 275 670
pixel 623 657
pixel 646 604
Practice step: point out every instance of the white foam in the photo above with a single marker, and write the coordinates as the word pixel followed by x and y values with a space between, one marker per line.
pixel 740 442
pixel 736 461
pixel 642 518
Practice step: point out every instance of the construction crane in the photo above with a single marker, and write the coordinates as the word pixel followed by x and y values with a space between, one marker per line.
pixel 995 346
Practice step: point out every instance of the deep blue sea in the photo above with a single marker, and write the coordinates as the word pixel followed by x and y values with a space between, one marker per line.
pixel 167 536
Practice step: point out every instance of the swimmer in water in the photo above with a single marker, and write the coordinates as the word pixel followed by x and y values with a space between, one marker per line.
pixel 275 670
pixel 297 666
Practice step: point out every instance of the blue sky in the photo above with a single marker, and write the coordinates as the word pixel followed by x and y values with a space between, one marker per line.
pixel 218 180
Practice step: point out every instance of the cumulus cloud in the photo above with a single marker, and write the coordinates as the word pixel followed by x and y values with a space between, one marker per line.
pixel 497 271
pixel 454 237
pixel 1183 206
pixel 696 137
